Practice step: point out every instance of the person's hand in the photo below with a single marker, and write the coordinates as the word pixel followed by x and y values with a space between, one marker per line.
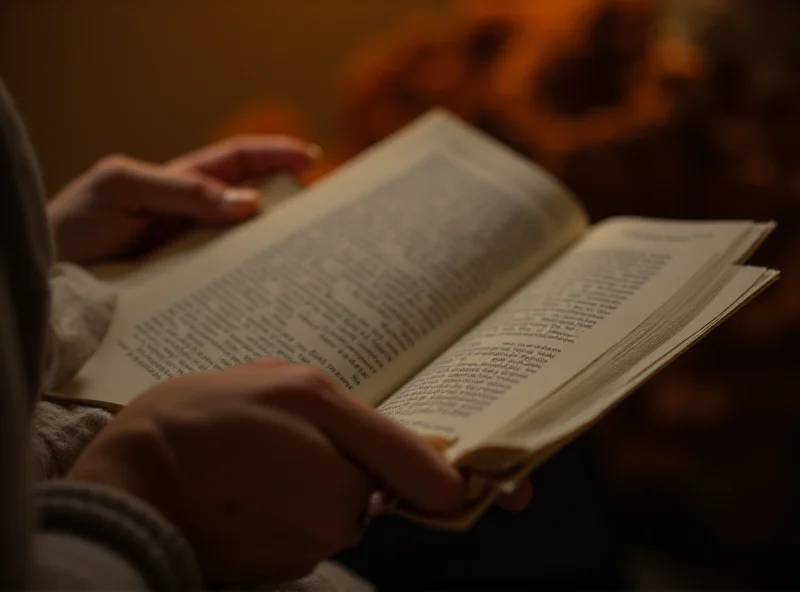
pixel 518 500
pixel 267 468
pixel 122 206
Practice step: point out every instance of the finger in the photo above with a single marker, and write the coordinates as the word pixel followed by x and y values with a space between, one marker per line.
pixel 517 500
pixel 249 157
pixel 396 456
pixel 331 495
pixel 151 190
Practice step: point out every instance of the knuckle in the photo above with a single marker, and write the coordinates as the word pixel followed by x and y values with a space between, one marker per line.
pixel 114 163
pixel 316 382
pixel 112 170
pixel 304 389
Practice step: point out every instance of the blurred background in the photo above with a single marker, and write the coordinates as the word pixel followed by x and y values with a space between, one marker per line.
pixel 680 108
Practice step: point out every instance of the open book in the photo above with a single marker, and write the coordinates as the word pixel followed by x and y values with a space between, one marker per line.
pixel 447 282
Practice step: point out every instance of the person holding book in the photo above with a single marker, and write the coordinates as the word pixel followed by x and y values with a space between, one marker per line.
pixel 151 503
pixel 446 316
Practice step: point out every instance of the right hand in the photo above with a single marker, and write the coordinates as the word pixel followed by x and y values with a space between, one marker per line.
pixel 267 468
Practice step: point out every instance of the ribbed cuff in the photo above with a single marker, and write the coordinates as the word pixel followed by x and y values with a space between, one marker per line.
pixel 123 524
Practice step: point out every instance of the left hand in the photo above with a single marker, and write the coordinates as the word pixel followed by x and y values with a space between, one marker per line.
pixel 122 206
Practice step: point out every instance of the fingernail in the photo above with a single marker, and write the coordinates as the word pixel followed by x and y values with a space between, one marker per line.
pixel 314 151
pixel 239 199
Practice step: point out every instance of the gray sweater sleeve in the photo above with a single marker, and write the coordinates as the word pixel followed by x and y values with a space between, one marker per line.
pixel 58 536
pixel 95 538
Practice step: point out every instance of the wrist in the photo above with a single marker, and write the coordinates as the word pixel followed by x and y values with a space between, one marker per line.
pixel 130 459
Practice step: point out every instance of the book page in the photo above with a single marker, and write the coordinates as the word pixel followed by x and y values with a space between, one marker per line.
pixel 590 299
pixel 535 436
pixel 571 410
pixel 369 274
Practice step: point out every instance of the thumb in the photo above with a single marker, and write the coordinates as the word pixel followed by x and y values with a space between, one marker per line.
pixel 158 191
